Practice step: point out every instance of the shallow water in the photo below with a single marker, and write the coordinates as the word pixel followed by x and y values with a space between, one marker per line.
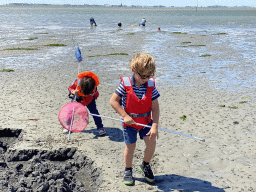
pixel 237 71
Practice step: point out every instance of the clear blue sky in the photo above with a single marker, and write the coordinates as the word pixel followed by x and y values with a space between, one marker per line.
pixel 167 3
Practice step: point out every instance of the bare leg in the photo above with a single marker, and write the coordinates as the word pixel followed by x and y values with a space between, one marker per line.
pixel 150 149
pixel 128 154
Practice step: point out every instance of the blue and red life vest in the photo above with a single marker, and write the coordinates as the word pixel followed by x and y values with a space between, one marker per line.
pixel 138 109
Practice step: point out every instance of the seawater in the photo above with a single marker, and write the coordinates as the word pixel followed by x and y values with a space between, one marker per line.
pixel 239 24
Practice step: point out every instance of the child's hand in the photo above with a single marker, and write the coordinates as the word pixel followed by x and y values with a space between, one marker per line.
pixel 75 92
pixel 128 120
pixel 153 133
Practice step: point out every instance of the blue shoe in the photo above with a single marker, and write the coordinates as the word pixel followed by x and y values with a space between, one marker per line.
pixel 128 178
pixel 102 132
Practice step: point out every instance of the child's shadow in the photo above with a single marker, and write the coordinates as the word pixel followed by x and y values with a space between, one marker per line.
pixel 168 183
pixel 114 134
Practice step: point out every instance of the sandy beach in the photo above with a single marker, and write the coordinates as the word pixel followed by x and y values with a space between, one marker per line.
pixel 31 99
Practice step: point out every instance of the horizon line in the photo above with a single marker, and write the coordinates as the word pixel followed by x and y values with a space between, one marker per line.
pixel 121 5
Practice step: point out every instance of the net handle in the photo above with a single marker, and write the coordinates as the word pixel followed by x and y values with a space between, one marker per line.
pixel 79 58
pixel 178 133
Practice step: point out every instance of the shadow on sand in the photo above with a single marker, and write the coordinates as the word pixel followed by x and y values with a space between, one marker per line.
pixel 169 183
pixel 114 134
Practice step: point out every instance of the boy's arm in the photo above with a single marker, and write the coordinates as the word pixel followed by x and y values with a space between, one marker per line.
pixel 114 102
pixel 153 133
pixel 72 88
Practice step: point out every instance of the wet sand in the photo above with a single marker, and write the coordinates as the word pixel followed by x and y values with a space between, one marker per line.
pixel 31 99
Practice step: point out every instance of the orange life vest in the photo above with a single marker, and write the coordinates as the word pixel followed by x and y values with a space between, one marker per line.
pixel 138 109
pixel 87 99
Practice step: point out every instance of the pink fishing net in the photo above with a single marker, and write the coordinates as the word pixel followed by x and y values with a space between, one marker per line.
pixel 74 117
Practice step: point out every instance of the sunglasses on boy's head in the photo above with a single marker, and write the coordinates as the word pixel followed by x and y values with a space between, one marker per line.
pixel 145 76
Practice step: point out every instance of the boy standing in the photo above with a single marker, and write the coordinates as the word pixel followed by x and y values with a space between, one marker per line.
pixel 85 90
pixel 134 100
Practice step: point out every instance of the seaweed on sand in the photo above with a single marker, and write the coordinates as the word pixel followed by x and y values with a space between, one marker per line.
pixel 178 32
pixel 6 70
pixel 205 55
pixel 183 117
pixel 20 49
pixel 32 38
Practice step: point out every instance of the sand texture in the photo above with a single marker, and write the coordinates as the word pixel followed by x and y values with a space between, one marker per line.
pixel 32 97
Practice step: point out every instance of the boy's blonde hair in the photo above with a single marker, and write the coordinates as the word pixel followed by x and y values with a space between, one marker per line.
pixel 143 62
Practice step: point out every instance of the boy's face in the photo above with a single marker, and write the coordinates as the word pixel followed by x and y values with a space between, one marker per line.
pixel 143 77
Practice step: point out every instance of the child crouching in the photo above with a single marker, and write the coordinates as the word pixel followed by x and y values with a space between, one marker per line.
pixel 84 89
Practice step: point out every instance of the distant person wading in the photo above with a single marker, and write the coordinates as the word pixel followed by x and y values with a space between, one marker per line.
pixel 92 21
pixel 143 22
